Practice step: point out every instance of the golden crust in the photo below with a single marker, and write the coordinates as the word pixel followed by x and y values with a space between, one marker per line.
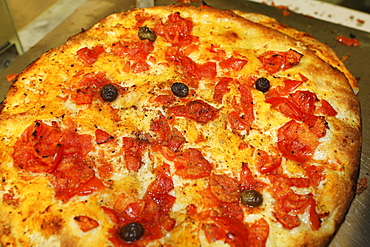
pixel 34 217
pixel 322 50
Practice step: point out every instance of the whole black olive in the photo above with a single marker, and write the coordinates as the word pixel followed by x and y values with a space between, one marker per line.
pixel 131 232
pixel 147 33
pixel 251 198
pixel 109 92
pixel 180 89
pixel 262 84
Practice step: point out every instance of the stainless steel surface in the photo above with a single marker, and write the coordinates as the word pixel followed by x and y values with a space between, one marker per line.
pixel 355 231
pixel 10 46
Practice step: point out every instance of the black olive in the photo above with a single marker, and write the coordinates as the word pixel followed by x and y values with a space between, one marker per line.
pixel 180 89
pixel 131 232
pixel 251 198
pixel 147 33
pixel 262 84
pixel 109 92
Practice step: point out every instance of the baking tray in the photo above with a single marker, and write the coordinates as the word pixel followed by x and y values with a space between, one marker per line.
pixel 355 231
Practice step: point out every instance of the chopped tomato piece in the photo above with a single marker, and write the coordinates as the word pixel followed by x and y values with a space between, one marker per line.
pixel 316 174
pixel 315 221
pixel 317 124
pixel 274 61
pixel 286 106
pixel 196 110
pixel 288 221
pixel 221 88
pixel 163 182
pixel 102 136
pixel 207 70
pixel 305 101
pixel 93 80
pixel 165 99
pixel 233 63
pixel 238 121
pixel 265 162
pixel 258 233
pixel 213 232
pixel 133 152
pixel 225 188
pixel 246 102
pixel 94 184
pixel 327 109
pixel 152 211
pixel 86 223
pixel 236 231
pixel 89 56
pixel 348 41
pixel 171 138
pixel 192 164
pixel 137 51
pixel 296 141
pixel 35 150
pixel 139 67
pixel 83 96
pixel 248 181
pixel 176 30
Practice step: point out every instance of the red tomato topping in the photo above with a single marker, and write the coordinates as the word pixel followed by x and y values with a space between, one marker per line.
pixel 305 100
pixel 221 88
pixel 274 61
pixel 95 80
pixel 102 136
pixel 235 230
pixel 86 223
pixel 152 211
pixel 288 221
pixel 265 162
pixel 34 151
pixel 165 99
pixel 246 102
pixel 133 148
pixel 89 56
pixel 8 199
pixel 192 71
pixel 196 110
pixel 139 67
pixel 87 88
pixel 171 138
pixel 213 232
pixel 327 109
pixel 258 233
pixel 233 63
pixel 225 188
pixel 94 184
pixel 62 153
pixel 248 181
pixel 207 70
pixel 83 96
pixel 348 41
pixel 191 164
pixel 163 183
pixel 286 106
pixel 288 204
pixel 238 121
pixel 136 51
pixel 176 30
pixel 296 141
pixel 317 124
pixel 315 173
